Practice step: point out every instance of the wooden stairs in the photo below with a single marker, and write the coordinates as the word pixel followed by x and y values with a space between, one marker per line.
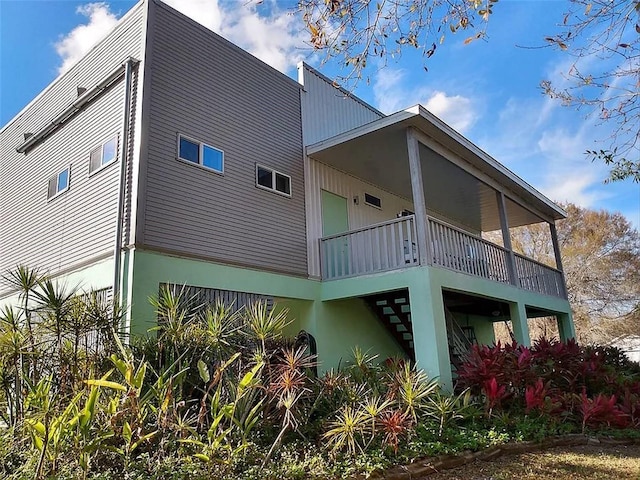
pixel 393 309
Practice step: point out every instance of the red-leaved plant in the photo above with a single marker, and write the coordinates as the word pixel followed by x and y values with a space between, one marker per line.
pixel 534 396
pixel 494 394
pixel 601 410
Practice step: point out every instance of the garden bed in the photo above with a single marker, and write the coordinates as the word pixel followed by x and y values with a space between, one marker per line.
pixel 434 466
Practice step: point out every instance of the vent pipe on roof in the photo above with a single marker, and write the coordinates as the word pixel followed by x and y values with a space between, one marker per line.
pixel 80 91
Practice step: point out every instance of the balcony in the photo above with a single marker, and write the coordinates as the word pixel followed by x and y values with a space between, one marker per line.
pixel 393 245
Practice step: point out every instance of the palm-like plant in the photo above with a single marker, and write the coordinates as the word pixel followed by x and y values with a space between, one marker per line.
pixel 446 409
pixel 13 344
pixel 347 430
pixel 265 324
pixel 25 280
pixel 53 304
pixel 413 390
pixel 217 326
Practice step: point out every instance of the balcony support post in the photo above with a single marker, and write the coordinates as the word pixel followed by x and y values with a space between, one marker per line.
pixel 506 238
pixel 556 251
pixel 419 205
pixel 429 328
pixel 566 328
pixel 518 314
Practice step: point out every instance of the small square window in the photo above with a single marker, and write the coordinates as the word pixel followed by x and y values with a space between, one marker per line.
pixel 58 183
pixel 189 150
pixel 109 151
pixel 201 154
pixel 103 155
pixel 265 178
pixel 212 158
pixel 269 179
pixel 283 183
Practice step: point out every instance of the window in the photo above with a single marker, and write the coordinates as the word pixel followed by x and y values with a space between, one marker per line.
pixel 269 179
pixel 103 155
pixel 200 154
pixel 58 184
pixel 372 200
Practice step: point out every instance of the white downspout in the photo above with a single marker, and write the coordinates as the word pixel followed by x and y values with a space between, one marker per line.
pixel 117 267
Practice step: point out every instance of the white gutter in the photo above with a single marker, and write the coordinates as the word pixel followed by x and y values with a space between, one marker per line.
pixel 128 67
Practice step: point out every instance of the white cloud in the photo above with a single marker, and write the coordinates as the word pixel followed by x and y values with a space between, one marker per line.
pixel 547 148
pixel 579 187
pixel 79 41
pixel 271 34
pixel 392 93
pixel 456 110
pixel 205 12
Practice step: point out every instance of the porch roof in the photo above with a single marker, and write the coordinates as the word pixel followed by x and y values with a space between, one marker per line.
pixel 369 150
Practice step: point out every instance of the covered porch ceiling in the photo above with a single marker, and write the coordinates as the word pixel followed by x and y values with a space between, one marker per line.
pixel 377 153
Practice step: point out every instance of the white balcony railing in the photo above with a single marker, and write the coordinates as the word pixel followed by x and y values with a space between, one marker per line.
pixel 376 248
pixel 537 277
pixel 456 249
pixel 392 245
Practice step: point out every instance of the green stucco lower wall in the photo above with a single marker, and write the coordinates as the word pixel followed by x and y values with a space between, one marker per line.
pixel 338 326
pixel 482 327
pixel 96 276
pixel 341 325
pixel 149 269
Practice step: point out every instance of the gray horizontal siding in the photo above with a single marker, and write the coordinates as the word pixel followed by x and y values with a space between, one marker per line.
pixel 79 224
pixel 209 90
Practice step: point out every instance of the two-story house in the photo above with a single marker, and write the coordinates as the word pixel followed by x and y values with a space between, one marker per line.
pixel 168 155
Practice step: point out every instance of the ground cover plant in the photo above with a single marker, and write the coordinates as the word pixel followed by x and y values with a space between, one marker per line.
pixel 218 393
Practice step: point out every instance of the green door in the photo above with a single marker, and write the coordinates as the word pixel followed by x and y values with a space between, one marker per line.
pixel 335 219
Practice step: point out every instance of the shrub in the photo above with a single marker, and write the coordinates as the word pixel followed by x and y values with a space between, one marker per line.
pixel 591 386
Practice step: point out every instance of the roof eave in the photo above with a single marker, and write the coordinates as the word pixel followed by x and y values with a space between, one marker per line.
pixel 410 115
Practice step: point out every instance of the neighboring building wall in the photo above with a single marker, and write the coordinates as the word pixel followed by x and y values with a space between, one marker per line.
pixel 323 177
pixel 204 87
pixel 78 226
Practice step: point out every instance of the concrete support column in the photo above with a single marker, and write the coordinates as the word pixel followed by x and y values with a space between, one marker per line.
pixel 518 313
pixel 565 326
pixel 429 330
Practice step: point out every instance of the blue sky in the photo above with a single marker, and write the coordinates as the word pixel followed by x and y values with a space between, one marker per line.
pixel 489 90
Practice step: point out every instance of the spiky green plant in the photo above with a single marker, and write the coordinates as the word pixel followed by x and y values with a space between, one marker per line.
pixel 265 324
pixel 25 280
pixel 414 389
pixel 13 345
pixel 446 409
pixel 347 430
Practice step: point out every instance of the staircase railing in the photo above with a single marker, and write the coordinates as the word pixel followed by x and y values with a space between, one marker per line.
pixel 458 341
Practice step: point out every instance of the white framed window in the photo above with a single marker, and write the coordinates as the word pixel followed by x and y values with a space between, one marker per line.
pixel 198 153
pixel 269 179
pixel 58 183
pixel 372 200
pixel 103 155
